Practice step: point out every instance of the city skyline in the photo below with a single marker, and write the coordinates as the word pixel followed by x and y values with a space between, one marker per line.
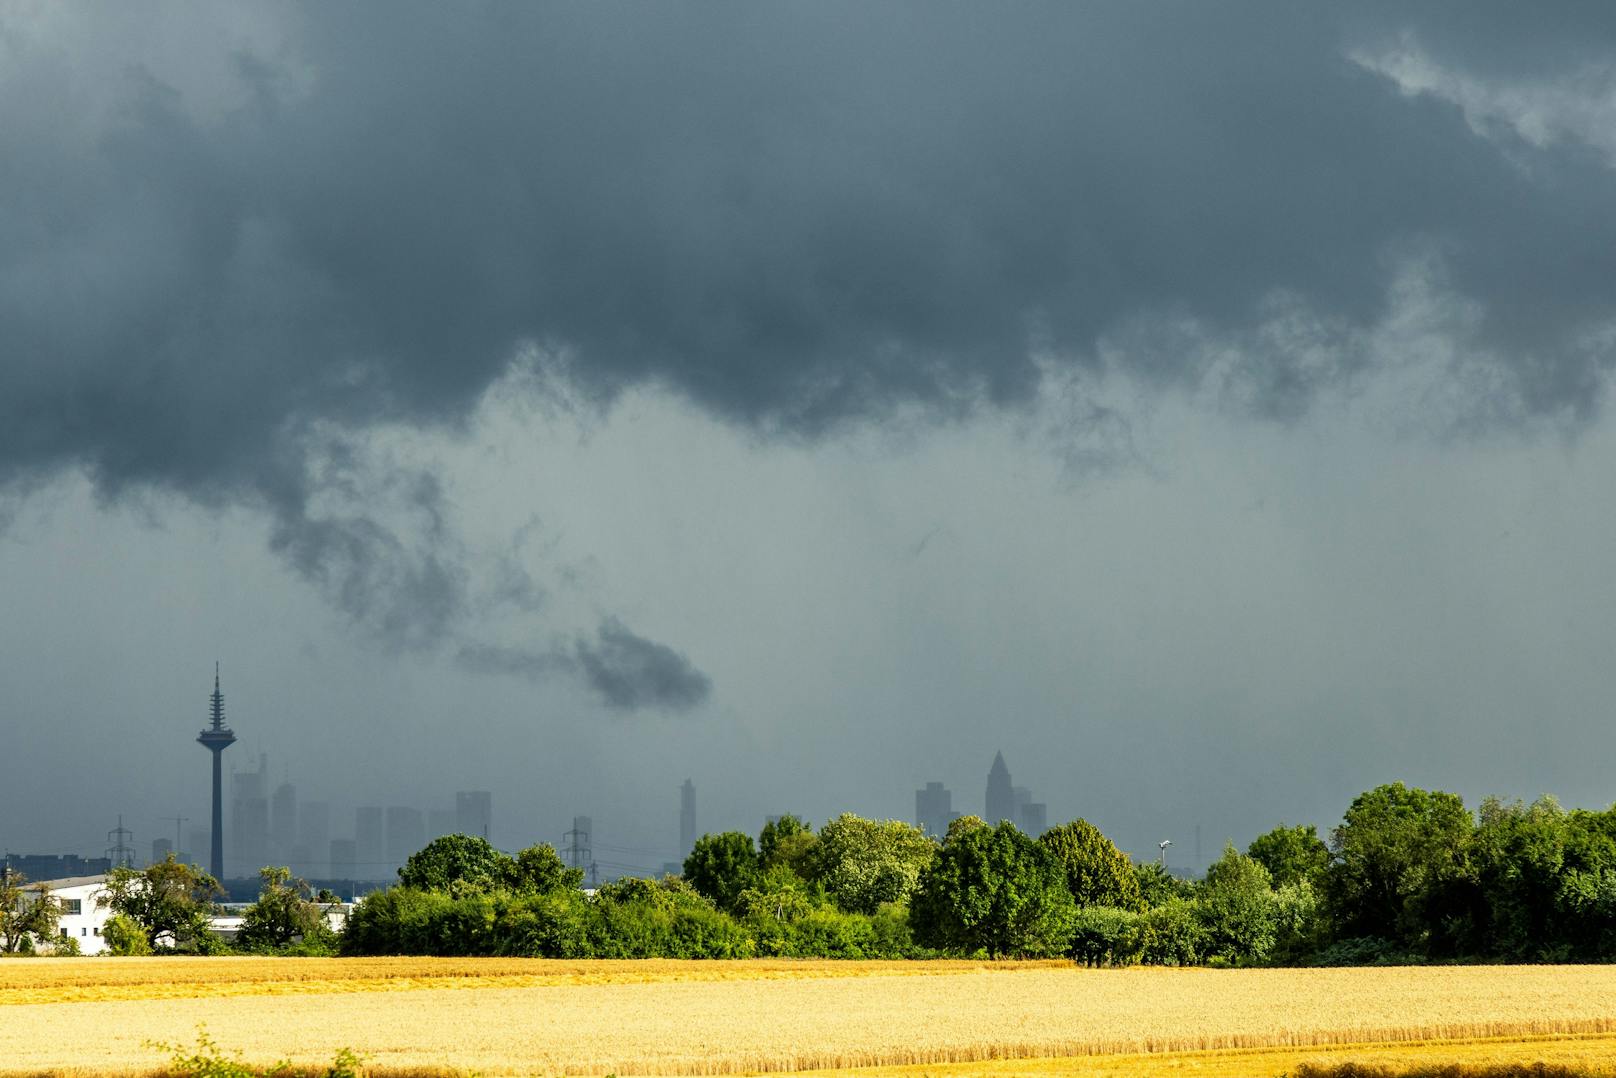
pixel 1210 409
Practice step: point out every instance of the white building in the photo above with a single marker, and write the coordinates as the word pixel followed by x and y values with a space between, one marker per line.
pixel 83 919
pixel 226 922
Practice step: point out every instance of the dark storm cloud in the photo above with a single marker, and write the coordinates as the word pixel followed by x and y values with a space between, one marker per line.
pixel 628 671
pixel 795 216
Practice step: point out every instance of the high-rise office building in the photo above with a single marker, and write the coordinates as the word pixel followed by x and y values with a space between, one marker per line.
pixel 314 836
pixel 934 809
pixel 687 818
pixel 249 821
pixel 1001 797
pixel 283 822
pixel 474 813
pixel 1029 815
pixel 370 843
pixel 404 835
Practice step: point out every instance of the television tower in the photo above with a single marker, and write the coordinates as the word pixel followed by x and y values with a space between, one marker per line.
pixel 216 738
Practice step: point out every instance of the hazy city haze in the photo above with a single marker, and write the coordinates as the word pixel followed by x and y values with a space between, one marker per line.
pixel 1207 406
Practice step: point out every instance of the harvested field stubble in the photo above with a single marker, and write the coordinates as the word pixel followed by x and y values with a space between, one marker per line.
pixel 507 1017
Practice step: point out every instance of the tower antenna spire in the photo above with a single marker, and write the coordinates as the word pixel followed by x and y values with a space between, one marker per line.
pixel 216 738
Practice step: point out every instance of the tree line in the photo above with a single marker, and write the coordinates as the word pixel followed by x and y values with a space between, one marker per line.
pixel 1409 875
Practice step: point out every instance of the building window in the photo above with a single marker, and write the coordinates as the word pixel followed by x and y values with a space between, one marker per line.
pixel 84 931
pixel 71 907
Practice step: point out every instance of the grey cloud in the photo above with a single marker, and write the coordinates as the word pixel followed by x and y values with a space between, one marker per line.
pixel 795 216
pixel 627 671
pixel 630 672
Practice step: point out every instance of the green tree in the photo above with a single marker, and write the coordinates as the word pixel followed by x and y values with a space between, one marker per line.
pixel 27 913
pixel 1291 854
pixel 722 866
pixel 995 890
pixel 539 870
pixel 864 863
pixel 1097 873
pixel 786 841
pixel 457 864
pixel 1299 924
pixel 285 914
pixel 1237 909
pixel 1158 887
pixel 172 903
pixel 1399 855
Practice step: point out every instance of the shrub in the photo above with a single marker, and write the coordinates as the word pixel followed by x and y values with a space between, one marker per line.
pixel 124 936
pixel 1106 936
pixel 1170 935
pixel 208 1060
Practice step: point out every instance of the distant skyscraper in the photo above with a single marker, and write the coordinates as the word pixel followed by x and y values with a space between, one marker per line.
pixel 404 835
pixel 370 843
pixel 474 813
pixel 1001 798
pixel 687 818
pixel 283 821
pixel 161 848
pixel 249 820
pixel 216 738
pixel 934 809
pixel 314 835
pixel 1030 815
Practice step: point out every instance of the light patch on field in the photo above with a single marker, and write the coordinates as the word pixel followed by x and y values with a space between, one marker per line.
pixel 184 977
pixel 726 1018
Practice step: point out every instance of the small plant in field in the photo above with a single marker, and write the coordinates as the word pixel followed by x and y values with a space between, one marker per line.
pixel 209 1060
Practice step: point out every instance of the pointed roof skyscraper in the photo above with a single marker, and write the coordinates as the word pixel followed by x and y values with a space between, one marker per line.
pixel 1001 798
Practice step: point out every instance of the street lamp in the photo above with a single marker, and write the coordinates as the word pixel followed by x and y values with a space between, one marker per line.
pixel 1162 845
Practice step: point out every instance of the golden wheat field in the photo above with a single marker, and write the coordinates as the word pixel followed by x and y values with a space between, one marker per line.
pixel 96 1016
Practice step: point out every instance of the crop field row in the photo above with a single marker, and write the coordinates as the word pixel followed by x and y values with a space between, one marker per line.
pixel 187 977
pixel 729 1018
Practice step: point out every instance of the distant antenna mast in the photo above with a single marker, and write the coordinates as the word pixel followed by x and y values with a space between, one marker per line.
pixel 120 847
pixel 178 820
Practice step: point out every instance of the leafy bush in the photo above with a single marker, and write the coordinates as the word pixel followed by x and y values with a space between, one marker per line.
pixel 542 926
pixel 1364 951
pixel 208 1060
pixel 1171 935
pixel 1106 936
pixel 124 936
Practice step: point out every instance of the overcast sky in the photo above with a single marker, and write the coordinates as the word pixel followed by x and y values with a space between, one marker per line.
pixel 1206 405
